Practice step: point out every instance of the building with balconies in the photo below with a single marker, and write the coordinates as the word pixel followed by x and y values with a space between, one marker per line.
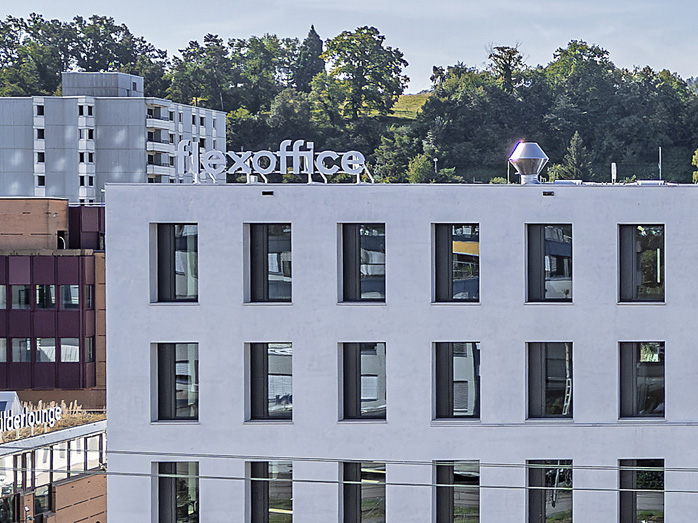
pixel 102 130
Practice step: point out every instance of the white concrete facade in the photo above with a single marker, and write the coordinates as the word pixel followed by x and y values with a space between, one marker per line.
pixel 71 146
pixel 409 323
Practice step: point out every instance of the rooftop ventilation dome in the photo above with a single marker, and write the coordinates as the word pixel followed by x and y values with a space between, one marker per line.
pixel 528 159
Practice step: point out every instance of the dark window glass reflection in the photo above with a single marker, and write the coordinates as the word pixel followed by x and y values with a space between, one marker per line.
pixel 558 262
pixel 372 243
pixel 178 492
pixel 186 268
pixel 45 296
pixel 270 262
pixel 550 380
pixel 364 492
pixel 642 262
pixel 70 297
pixel 642 490
pixel 550 491
pixel 642 379
pixel 457 380
pixel 178 381
pixel 21 296
pixel 457 264
pixel 458 492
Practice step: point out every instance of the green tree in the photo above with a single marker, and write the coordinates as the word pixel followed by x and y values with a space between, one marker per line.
pixel 575 164
pixel 309 62
pixel 420 170
pixel 507 64
pixel 694 162
pixel 371 71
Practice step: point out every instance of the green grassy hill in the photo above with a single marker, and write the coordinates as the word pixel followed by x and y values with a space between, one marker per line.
pixel 409 105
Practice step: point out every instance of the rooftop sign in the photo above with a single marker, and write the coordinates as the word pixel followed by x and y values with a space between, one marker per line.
pixel 29 418
pixel 297 157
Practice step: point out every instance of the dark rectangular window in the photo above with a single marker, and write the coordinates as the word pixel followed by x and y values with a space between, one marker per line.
pixel 641 262
pixel 89 297
pixel 642 490
pixel 45 296
pixel 91 157
pixel 458 492
pixel 70 297
pixel 271 386
pixel 549 380
pixel 40 134
pixel 21 350
pixel 21 296
pixel 270 262
pixel 363 486
pixel 178 492
pixel 3 296
pixel 90 134
pixel 271 491
pixel 457 380
pixel 363 254
pixel 3 350
pixel 550 491
pixel 41 157
pixel 642 379
pixel 89 110
pixel 178 381
pixel 81 110
pixel 39 110
pixel 457 262
pixel 550 262
pixel 178 268
pixel 364 380
pixel 45 350
pixel 81 157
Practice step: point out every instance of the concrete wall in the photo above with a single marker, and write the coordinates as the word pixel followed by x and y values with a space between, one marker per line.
pixel 16 147
pixel 409 323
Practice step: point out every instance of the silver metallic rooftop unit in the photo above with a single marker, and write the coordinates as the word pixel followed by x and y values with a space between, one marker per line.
pixel 528 159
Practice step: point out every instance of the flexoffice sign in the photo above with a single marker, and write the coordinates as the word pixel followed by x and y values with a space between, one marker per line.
pixel 297 157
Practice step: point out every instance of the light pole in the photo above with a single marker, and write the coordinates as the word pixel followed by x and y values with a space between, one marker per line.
pixel 436 163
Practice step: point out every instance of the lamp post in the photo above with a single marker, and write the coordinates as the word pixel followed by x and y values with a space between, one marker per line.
pixel 436 163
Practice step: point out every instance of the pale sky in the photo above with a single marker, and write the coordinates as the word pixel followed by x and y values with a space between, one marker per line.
pixel 661 34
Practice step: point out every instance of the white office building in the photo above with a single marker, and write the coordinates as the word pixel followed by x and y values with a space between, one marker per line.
pixel 402 353
pixel 102 130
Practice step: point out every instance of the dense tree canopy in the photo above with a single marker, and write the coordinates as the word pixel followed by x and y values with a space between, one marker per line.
pixel 341 94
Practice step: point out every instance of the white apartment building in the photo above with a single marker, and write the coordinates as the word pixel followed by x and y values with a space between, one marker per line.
pixel 102 130
pixel 402 353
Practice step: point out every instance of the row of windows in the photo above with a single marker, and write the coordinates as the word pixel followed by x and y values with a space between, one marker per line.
pixel 456 380
pixel 83 110
pixel 456 262
pixel 456 493
pixel 83 133
pixel 156 113
pixel 45 350
pixel 43 296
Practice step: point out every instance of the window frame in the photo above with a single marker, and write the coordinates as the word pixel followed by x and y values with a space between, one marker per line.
pixel 166 287
pixel 443 263
pixel 351 263
pixel 539 377
pixel 259 384
pixel 627 260
pixel 444 383
pixel 353 482
pixel 260 479
pixel 537 490
pixel 630 358
pixel 165 375
pixel 628 489
pixel 259 263
pixel 166 476
pixel 535 263
pixel 351 383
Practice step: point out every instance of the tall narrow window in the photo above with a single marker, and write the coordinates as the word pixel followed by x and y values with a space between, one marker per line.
pixel 363 253
pixel 457 262
pixel 457 380
pixel 641 263
pixel 550 491
pixel 642 490
pixel 45 296
pixel 271 491
pixel 271 388
pixel 178 268
pixel 642 379
pixel 178 492
pixel 363 492
pixel 270 261
pixel 3 296
pixel 550 262
pixel 3 350
pixel 458 492
pixel 549 380
pixel 178 381
pixel 364 380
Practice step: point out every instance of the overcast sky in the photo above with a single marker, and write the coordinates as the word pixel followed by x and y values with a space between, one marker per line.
pixel 661 34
